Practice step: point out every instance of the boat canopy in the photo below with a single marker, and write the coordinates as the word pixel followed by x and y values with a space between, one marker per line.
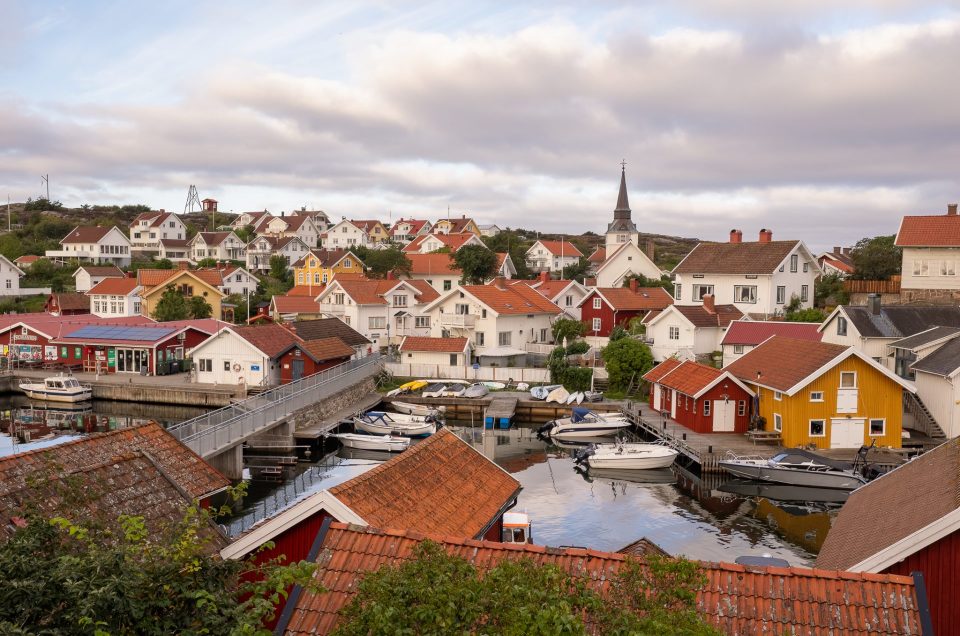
pixel 799 456
pixel 580 414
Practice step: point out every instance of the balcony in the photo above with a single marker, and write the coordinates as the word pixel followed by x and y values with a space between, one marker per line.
pixel 462 321
pixel 333 310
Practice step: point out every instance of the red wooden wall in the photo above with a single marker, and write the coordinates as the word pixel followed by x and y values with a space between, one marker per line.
pixel 940 565
pixel 690 411
pixel 608 317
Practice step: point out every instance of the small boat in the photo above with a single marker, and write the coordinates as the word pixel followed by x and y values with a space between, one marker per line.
pixel 477 390
pixel 572 398
pixel 405 418
pixel 796 467
pixel 61 388
pixel 434 390
pixel 408 387
pixel 628 456
pixel 541 392
pixel 415 409
pixel 585 423
pixel 380 423
pixel 373 442
pixel 516 528
pixel 558 395
pixel 454 390
pixel 593 396
pixel 522 386
pixel 498 385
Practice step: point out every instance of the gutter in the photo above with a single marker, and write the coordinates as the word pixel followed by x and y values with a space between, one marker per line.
pixel 511 502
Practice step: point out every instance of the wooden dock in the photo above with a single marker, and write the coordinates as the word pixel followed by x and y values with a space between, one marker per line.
pixel 321 427
pixel 499 413
pixel 528 410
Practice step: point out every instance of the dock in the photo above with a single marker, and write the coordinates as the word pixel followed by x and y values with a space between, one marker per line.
pixel 527 410
pixel 323 426
pixel 499 413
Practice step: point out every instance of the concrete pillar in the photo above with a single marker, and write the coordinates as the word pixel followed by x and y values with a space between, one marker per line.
pixel 229 462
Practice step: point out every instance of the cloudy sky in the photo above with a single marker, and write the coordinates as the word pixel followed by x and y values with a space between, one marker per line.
pixel 826 120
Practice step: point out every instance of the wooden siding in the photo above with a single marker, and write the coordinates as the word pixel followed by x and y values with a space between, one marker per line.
pixel 878 397
pixel 940 564
pixel 690 411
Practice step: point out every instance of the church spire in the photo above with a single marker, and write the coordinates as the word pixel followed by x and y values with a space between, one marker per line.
pixel 623 205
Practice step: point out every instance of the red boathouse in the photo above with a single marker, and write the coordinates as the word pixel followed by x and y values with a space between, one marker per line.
pixel 702 398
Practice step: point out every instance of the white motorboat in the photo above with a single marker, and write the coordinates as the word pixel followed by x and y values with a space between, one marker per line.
pixel 796 467
pixel 434 390
pixel 584 423
pixel 415 409
pixel 373 442
pixel 380 423
pixel 572 398
pixel 628 456
pixel 477 390
pixel 593 396
pixel 541 392
pixel 558 395
pixel 60 388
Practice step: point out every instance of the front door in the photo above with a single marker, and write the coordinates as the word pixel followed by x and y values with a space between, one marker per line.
pixel 846 433
pixel 724 412
pixel 673 405
pixel 297 370
pixel 657 397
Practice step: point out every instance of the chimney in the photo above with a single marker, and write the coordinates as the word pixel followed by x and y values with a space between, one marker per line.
pixel 838 250
pixel 303 208
pixel 765 235
pixel 873 304
pixel 708 304
pixel 651 246
pixel 184 265
pixel 281 213
pixel 131 274
pixel 736 236
pixel 500 282
pixel 633 285
pixel 544 276
pixel 951 209
pixel 390 275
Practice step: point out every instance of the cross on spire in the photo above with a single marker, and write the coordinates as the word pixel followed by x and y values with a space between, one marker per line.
pixel 623 165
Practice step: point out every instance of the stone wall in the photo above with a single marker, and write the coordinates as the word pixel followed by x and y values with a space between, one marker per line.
pixel 329 406
pixel 931 296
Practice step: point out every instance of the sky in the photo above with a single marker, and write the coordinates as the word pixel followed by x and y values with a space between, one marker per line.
pixel 824 120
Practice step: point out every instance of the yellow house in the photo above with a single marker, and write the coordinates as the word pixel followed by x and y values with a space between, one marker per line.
pixel 375 230
pixel 828 395
pixel 318 267
pixel 203 283
pixel 456 226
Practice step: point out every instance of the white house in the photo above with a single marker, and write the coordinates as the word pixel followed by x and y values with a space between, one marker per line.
pixel 742 336
pixel 115 297
pixel 626 260
pixel 438 270
pixel 440 352
pixel 937 378
pixel 174 250
pixel 344 235
pixel 262 248
pixel 10 278
pixel 320 218
pixel 301 226
pixel 565 294
pixel 235 280
pixel 94 243
pixel 383 311
pixel 149 228
pixel 249 218
pixel 405 230
pixel 761 278
pixel 86 276
pixel 931 257
pixel 552 256
pixel 689 331
pixel 489 230
pixel 427 243
pixel 222 246
pixel 837 263
pixel 240 355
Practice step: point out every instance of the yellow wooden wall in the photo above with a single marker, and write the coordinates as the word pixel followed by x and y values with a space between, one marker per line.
pixel 879 397
pixel 210 294
pixel 306 273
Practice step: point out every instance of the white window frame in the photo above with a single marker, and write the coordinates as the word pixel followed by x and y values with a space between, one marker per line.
pixel 674 333
pixel 596 324
pixel 777 395
pixel 777 423
pixel 751 295
pixel 678 289
pixel 741 408
pixel 841 326
pixel 823 424
pixel 421 322
pixel 504 338
pixel 706 408
pixel 597 303
pixel 870 422
pixel 848 373
pixel 813 395
pixel 781 294
pixel 804 293
pixel 738 349
pixel 700 290
pixel 377 322
pixel 794 261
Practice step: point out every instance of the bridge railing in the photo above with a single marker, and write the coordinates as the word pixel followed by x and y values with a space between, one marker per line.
pixel 224 427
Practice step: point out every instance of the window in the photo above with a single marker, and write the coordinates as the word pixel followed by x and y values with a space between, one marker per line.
pixel 947 268
pixel 804 293
pixel 816 396
pixel 818 428
pixel 568 301
pixel 921 268
pixel 377 322
pixel 848 379
pixel 878 427
pixel 794 259
pixel 596 324
pixel 338 299
pixel 503 338
pixel 480 338
pixel 745 294
pixel 777 422
pixel 781 294
pixel 741 407
pixel 400 300
pixel 447 285
pixel 677 291
pixel 136 307
pixel 9 284
pixel 226 365
pixel 699 291
pixel 777 395
pixel 453 359
pixel 206 364
pixel 461 309
pixel 316 279
pixel 841 326
pixel 596 303
pixel 806 267
pixel 543 335
pixel 483 313
pixel 706 408
pixel 674 333
pixel 738 349
pixel 422 321
pixel 300 278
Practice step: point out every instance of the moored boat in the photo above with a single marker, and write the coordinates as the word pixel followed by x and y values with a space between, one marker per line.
pixel 415 409
pixel 477 390
pixel 373 442
pixel 61 388
pixel 516 528
pixel 584 423
pixel 434 390
pixel 541 392
pixel 558 395
pixel 628 456
pixel 497 385
pixel 380 423
pixel 795 467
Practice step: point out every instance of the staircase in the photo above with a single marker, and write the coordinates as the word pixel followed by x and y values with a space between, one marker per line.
pixel 923 419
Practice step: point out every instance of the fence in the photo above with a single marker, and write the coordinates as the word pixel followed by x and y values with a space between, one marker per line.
pixel 212 432
pixel 891 286
pixel 441 371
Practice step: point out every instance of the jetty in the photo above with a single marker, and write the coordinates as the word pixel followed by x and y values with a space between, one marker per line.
pixel 499 413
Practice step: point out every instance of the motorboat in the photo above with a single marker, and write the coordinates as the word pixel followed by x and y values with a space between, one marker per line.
pixel 380 423
pixel 593 396
pixel 558 395
pixel 406 418
pixel 795 467
pixel 434 390
pixel 373 442
pixel 60 388
pixel 541 392
pixel 477 390
pixel 415 409
pixel 575 398
pixel 628 456
pixel 783 492
pixel 585 423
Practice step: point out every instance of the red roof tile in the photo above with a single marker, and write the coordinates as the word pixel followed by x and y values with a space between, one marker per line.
pixel 599 255
pixel 114 287
pixel 441 484
pixel 561 247
pixel 515 299
pixel 735 599
pixel 86 234
pixel 753 332
pixel 662 369
pixel 735 258
pixel 155 277
pixel 296 304
pixel 432 264
pixel 783 362
pixel 71 301
pixel 690 378
pixel 103 270
pixel 722 315
pixel 941 230
pixel 27 258
pixel 271 339
pixel 328 348
pixel 837 264
pixel 644 299
pixel 310 291
pixel 441 345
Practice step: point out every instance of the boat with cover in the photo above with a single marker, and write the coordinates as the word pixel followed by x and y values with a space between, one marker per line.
pixel 373 442
pixel 477 390
pixel 585 423
pixel 541 392
pixel 558 395
pixel 797 467
pixel 381 423
pixel 416 409
pixel 434 390
pixel 628 456
pixel 60 388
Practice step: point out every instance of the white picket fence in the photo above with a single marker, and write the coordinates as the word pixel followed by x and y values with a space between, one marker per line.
pixel 498 374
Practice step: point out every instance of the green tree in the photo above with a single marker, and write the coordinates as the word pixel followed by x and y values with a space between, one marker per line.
pixel 207 262
pixel 514 243
pixel 626 360
pixel 567 329
pixel 278 267
pixel 618 333
pixel 199 307
pixel 41 205
pixel 642 281
pixel 171 306
pixel 829 290
pixel 381 262
pixel 810 314
pixel 476 263
pixel 577 271
pixel 876 258
pixel 245 233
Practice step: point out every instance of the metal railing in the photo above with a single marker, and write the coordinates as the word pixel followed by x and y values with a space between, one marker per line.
pixel 214 431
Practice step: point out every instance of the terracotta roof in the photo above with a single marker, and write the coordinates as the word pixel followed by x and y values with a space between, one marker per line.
pixel 662 369
pixel 515 299
pixel 102 270
pixel 433 264
pixel 114 287
pixel 598 256
pixel 457 225
pixel 175 243
pixel 837 263
pixel 735 258
pixel 942 230
pixel 735 599
pixel 364 291
pixel 644 299
pixel 690 378
pixel 722 315
pixel 294 223
pixel 86 234
pixel 349 276
pixel 441 484
pixel 27 258
pixel 328 348
pixel 155 277
pixel 296 304
pixel 753 332
pixel 783 362
pixel 329 327
pixel 440 345
pixel 560 247
pixel 550 288
pixel 896 505
pixel 415 226
pixel 179 463
pixel 425 292
pixel 310 291
pixel 271 339
pixel 214 238
pixel 326 258
pixel 67 301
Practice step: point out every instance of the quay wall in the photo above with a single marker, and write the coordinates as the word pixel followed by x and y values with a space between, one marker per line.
pixel 183 395
pixel 323 409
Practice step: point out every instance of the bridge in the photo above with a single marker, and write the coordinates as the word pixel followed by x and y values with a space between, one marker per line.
pixel 218 436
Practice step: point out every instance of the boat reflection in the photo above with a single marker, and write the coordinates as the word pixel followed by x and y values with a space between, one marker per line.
pixel 655 476
pixel 785 493
pixel 359 453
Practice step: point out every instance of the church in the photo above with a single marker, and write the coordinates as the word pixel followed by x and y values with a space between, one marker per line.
pixel 622 254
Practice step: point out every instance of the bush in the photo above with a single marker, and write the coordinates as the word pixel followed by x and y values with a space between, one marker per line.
pixel 626 360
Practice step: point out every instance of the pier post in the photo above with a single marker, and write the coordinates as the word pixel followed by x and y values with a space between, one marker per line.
pixel 229 462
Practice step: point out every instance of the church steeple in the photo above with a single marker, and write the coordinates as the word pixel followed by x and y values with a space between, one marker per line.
pixel 622 210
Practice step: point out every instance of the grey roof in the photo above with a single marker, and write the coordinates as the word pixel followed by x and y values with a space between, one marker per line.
pixel 900 321
pixel 944 361
pixel 621 215
pixel 329 328
pixel 927 337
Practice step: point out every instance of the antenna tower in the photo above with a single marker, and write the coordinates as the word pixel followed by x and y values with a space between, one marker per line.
pixel 193 201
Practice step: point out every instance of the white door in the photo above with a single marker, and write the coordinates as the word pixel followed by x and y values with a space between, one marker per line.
pixel 846 433
pixel 724 412
pixel 673 405
pixel 657 396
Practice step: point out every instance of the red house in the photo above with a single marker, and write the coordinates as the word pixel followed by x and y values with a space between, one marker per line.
pixel 702 398
pixel 908 523
pixel 606 307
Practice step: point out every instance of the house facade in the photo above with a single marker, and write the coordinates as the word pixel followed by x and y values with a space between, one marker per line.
pixel 702 398
pixel 300 226
pixel 344 235
pixel 222 246
pixel 114 297
pixel 429 243
pixel 190 284
pixel 552 256
pixel 149 228
pixel 438 270
pixel 625 261
pixel 463 225
pixel 931 257
pixel 383 311
pixel 439 352
pixel 936 374
pixel 261 249
pixel 741 336
pixel 318 267
pixel 689 332
pixel 565 294
pixel 375 230
pixel 604 308
pixel 86 276
pixel 10 276
pixel 405 230
pixel 106 245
